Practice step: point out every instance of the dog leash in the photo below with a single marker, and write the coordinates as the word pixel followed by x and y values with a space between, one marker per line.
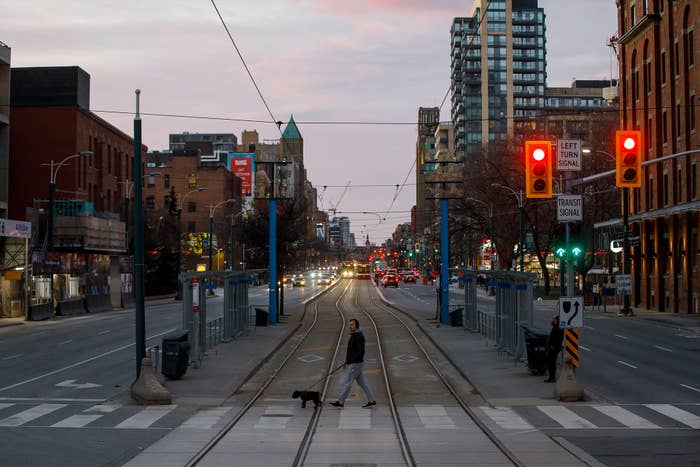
pixel 326 377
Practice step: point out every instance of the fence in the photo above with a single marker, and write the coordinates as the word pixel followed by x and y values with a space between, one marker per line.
pixel 207 330
pixel 513 308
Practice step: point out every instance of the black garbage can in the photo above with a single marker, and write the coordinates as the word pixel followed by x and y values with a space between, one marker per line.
pixel 536 344
pixel 176 354
pixel 261 317
pixel 456 317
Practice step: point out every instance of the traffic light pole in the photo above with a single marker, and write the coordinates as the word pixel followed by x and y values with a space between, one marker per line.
pixel 139 283
pixel 444 264
pixel 626 245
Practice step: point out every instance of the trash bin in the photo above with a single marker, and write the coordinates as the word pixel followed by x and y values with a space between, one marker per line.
pixel 536 343
pixel 176 354
pixel 261 317
pixel 456 317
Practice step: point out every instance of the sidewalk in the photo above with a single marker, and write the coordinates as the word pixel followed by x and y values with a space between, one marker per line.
pixel 500 381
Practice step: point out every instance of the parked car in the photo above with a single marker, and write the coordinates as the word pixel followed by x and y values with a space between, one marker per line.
pixel 390 280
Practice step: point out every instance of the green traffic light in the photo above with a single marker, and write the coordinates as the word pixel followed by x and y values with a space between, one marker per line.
pixel 576 252
pixel 560 252
pixel 410 254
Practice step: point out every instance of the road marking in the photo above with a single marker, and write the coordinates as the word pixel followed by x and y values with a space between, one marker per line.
pixel 355 418
pixel 624 416
pixel 435 417
pixel 690 387
pixel 4 406
pixel 565 417
pixel 65 342
pixel 274 418
pixel 506 418
pixel 28 415
pixel 680 415
pixel 13 356
pixel 205 419
pixel 583 347
pixel 102 333
pixel 622 337
pixel 76 421
pixel 665 349
pixel 70 383
pixel 82 362
pixel 102 408
pixel 627 364
pixel 146 417
pixel 590 327
pixel 48 399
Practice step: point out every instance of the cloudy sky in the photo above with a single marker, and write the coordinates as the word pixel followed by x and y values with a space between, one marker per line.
pixel 321 60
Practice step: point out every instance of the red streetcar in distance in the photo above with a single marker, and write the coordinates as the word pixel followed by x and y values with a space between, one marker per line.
pixel 363 271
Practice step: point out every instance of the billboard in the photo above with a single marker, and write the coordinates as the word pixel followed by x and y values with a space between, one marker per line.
pixel 243 165
pixel 284 177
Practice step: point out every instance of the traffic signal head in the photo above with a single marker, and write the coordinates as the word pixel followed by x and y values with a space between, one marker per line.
pixel 576 251
pixel 538 169
pixel 628 159
pixel 560 252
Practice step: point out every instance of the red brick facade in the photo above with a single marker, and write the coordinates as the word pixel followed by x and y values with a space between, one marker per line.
pixel 660 83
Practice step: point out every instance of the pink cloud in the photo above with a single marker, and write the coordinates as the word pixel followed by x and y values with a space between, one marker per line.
pixel 399 7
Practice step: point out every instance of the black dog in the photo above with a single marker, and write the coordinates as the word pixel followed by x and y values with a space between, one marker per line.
pixel 306 396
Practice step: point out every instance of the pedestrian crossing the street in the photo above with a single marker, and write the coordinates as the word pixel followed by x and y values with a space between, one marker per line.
pixel 595 417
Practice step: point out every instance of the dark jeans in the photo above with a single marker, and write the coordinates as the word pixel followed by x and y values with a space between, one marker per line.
pixel 552 365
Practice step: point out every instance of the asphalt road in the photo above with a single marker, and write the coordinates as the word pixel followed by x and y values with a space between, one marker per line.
pixel 626 363
pixel 65 371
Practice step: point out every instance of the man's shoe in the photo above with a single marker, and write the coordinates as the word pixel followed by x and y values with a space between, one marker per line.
pixel 337 404
pixel 369 404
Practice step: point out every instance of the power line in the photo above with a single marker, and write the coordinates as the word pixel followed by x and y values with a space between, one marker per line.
pixel 245 65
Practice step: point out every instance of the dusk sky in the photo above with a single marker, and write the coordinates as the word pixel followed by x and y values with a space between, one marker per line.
pixel 321 60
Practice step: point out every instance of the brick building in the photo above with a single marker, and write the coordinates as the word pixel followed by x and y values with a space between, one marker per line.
pixel 184 172
pixel 51 121
pixel 658 61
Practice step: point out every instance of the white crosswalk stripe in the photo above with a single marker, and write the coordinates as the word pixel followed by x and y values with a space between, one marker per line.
pixel 146 417
pixel 355 418
pixel 30 414
pixel 565 417
pixel 5 405
pixel 680 415
pixel 435 417
pixel 506 418
pixel 275 418
pixel 205 419
pixel 76 421
pixel 103 408
pixel 625 417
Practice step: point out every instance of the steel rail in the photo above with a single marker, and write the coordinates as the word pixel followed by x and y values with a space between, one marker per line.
pixel 207 448
pixel 501 447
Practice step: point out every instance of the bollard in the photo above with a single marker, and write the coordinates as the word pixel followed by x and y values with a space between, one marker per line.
pixel 567 388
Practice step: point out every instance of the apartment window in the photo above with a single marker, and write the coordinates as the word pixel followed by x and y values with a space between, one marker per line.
pixel 665 127
pixel 663 68
pixel 191 227
pixel 650 132
pixel 665 189
pixel 691 48
pixel 166 181
pixel 633 16
pixel 691 104
pixel 645 6
pixel 650 202
pixel 150 202
pixel 109 159
pixel 191 206
pixel 151 181
pixel 678 60
pixel 693 180
pixel 678 120
pixel 647 79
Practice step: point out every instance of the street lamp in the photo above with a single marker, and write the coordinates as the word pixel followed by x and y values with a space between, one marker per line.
pixel 54 168
pixel 178 295
pixel 129 185
pixel 521 241
pixel 490 208
pixel 212 209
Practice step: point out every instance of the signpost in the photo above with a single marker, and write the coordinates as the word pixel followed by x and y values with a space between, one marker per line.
pixel 624 284
pixel 569 208
pixel 571 312
pixel 569 155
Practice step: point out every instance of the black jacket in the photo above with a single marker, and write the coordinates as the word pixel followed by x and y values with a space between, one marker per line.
pixel 356 348
pixel 554 341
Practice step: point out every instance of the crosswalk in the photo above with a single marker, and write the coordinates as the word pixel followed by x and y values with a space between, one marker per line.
pixel 591 417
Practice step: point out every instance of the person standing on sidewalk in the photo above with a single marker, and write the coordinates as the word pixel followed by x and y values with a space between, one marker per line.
pixel 553 347
pixel 354 359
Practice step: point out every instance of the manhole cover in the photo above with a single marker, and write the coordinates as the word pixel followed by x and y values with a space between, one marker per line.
pixel 310 358
pixel 405 358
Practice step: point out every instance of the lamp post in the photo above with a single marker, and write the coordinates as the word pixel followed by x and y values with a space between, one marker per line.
pixel 490 208
pixel 212 210
pixel 54 168
pixel 521 241
pixel 178 295
pixel 129 185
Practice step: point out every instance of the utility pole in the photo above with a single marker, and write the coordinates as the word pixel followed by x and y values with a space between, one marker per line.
pixel 139 283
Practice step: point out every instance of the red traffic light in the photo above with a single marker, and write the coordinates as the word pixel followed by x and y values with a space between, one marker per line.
pixel 538 169
pixel 628 159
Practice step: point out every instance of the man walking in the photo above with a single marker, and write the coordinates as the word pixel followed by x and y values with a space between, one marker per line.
pixel 553 347
pixel 354 359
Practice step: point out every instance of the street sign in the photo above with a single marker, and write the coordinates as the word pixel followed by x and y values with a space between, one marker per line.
pixel 571 312
pixel 569 154
pixel 624 284
pixel 529 240
pixel 15 229
pixel 569 208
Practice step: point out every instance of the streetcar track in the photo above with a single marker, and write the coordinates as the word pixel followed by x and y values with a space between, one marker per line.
pixel 211 444
pixel 470 413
